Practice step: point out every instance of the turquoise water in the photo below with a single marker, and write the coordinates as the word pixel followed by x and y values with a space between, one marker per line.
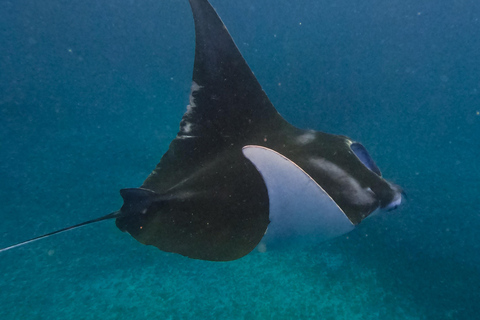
pixel 92 94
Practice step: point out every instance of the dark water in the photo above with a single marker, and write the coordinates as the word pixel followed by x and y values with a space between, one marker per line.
pixel 92 93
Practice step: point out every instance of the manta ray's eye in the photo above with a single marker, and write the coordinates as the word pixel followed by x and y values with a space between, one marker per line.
pixel 364 157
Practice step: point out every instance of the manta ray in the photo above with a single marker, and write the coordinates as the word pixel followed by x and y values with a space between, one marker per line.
pixel 238 174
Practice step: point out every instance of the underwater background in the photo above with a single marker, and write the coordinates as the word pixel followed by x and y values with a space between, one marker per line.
pixel 92 92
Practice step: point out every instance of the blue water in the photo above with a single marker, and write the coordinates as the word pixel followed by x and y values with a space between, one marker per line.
pixel 92 93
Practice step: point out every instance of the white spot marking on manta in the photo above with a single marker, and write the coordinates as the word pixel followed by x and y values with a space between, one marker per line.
pixel 185 137
pixel 187 127
pixel 305 138
pixel 189 109
pixel 346 183
pixel 194 88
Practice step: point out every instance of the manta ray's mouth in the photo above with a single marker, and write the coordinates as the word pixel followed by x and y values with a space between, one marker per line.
pixel 397 199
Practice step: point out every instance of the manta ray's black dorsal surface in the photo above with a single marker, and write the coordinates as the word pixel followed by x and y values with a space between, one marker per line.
pixel 238 174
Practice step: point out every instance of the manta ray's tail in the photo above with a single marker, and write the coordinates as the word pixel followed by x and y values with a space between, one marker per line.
pixel 108 216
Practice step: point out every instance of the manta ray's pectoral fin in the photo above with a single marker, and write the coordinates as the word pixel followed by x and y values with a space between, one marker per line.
pixel 227 104
pixel 300 209
pixel 226 99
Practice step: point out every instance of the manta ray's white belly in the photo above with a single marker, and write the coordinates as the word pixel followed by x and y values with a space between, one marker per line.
pixel 300 210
